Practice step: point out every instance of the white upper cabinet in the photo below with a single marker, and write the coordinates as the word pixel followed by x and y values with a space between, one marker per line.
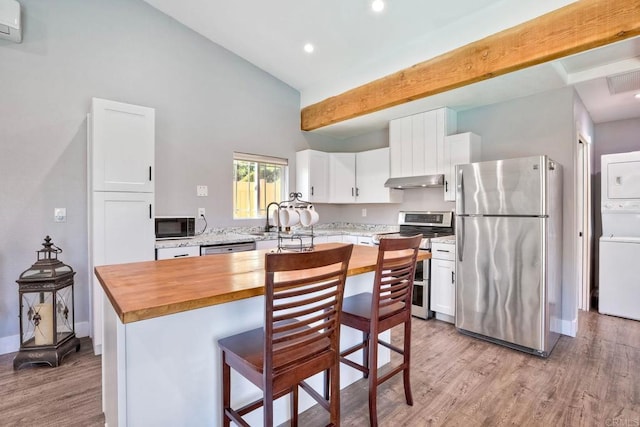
pixel 351 177
pixel 417 142
pixel 459 149
pixel 342 177
pixel 312 175
pixel 122 146
pixel 372 171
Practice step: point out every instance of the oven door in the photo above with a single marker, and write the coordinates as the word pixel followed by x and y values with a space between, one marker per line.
pixel 421 291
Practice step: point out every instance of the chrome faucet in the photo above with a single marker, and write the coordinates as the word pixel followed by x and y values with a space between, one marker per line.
pixel 267 227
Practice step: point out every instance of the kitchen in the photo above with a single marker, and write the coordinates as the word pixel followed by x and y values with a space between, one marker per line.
pixel 48 81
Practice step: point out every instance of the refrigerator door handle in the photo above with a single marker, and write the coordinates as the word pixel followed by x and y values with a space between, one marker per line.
pixel 460 239
pixel 460 191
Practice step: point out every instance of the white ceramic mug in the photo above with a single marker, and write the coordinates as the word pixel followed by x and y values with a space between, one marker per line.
pixel 289 217
pixel 308 216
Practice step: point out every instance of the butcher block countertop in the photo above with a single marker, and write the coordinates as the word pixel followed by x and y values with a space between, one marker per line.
pixel 144 290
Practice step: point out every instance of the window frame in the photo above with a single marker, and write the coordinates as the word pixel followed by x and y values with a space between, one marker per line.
pixel 260 161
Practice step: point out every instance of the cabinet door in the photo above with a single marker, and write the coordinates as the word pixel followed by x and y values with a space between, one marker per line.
pixel 181 252
pixel 372 171
pixel 443 295
pixel 266 244
pixel 312 175
pixel 121 146
pixel 431 143
pixel 401 147
pixel 459 149
pixel 122 231
pixel 342 176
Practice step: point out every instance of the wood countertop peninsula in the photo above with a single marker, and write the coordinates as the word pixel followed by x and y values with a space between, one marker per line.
pixel 144 290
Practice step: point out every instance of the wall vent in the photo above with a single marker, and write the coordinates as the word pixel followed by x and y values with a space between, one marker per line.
pixel 626 82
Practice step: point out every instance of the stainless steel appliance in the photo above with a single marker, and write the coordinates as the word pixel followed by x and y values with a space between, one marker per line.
pixel 430 224
pixel 508 252
pixel 175 227
pixel 225 248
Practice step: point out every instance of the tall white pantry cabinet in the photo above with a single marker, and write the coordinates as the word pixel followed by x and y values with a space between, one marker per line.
pixel 121 149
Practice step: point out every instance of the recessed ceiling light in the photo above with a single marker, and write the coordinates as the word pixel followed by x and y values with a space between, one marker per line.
pixel 308 48
pixel 377 5
pixel 637 95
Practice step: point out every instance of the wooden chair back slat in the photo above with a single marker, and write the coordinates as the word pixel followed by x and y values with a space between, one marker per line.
pixel 303 313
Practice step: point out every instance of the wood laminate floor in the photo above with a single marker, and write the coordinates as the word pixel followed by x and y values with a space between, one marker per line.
pixel 66 396
pixel 590 380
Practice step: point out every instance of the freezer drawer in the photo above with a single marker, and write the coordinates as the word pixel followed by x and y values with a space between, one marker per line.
pixel 619 277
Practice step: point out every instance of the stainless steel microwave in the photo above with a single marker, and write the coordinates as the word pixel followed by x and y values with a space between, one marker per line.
pixel 175 227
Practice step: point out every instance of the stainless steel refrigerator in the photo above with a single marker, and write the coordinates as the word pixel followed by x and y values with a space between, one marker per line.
pixel 509 252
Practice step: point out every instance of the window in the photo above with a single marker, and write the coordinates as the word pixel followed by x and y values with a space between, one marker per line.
pixel 257 181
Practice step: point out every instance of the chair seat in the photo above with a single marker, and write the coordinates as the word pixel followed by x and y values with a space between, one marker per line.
pixel 247 349
pixel 359 305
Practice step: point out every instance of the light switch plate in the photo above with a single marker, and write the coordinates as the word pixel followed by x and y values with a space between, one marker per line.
pixel 60 214
pixel 202 190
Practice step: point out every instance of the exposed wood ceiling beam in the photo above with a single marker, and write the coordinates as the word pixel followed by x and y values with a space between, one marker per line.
pixel 578 27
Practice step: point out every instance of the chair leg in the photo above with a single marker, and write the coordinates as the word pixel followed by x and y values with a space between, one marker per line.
pixel 268 406
pixel 326 383
pixel 226 390
pixel 365 354
pixel 294 406
pixel 407 363
pixel 334 402
pixel 373 379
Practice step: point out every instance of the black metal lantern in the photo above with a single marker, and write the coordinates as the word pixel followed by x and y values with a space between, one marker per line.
pixel 47 331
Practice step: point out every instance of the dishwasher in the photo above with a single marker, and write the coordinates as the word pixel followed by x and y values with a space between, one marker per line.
pixel 225 248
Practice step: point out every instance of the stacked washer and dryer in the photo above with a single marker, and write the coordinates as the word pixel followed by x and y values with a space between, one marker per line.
pixel 619 293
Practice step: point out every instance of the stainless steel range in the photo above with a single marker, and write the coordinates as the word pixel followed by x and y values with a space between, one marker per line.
pixel 430 224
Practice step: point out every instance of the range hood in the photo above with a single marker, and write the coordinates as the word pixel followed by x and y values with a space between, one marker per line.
pixel 420 181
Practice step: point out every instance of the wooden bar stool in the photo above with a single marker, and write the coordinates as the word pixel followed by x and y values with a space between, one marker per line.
pixel 389 305
pixel 301 337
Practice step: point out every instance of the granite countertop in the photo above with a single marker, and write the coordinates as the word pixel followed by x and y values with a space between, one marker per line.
pixel 444 239
pixel 252 234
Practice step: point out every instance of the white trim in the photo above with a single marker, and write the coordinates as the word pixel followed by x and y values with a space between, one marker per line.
pixel 569 327
pixel 259 158
pixel 11 344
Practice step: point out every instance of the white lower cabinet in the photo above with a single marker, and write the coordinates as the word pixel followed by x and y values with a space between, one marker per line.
pixel 443 281
pixel 358 240
pixel 121 231
pixel 266 244
pixel 182 252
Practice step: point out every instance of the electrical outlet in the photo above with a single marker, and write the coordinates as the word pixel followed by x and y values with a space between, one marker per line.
pixel 200 212
pixel 364 212
pixel 202 190
pixel 60 214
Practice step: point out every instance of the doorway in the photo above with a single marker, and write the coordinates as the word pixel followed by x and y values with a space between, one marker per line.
pixel 584 222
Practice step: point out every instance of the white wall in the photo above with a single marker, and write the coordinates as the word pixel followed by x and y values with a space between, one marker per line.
pixel 208 103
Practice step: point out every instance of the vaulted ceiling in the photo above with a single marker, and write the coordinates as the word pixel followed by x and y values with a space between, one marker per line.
pixel 415 55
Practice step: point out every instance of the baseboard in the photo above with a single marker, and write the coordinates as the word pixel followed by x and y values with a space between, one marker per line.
pixel 11 344
pixel 569 327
